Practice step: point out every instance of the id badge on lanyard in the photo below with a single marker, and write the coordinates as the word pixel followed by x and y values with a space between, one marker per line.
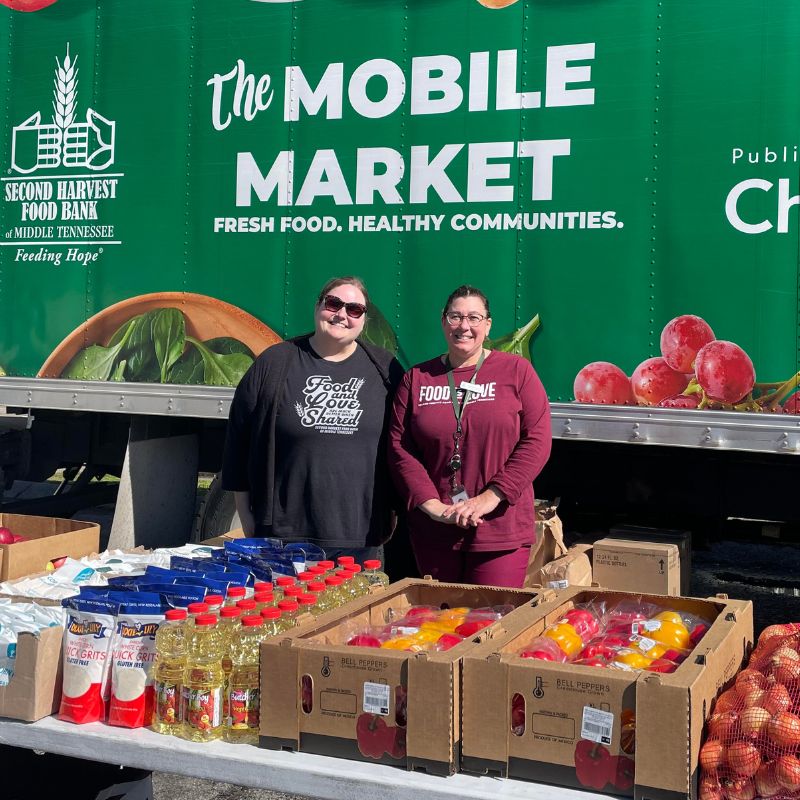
pixel 458 492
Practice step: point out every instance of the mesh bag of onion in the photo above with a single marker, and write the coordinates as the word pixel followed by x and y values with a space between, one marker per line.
pixel 753 733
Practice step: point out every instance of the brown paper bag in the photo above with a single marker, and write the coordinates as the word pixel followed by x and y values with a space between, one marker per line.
pixel 573 569
pixel 549 543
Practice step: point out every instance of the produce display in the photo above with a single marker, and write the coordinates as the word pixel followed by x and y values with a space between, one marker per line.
pixel 426 628
pixel 752 746
pixel 627 634
pixel 694 370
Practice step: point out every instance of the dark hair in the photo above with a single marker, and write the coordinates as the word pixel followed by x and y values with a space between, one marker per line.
pixel 346 279
pixel 467 291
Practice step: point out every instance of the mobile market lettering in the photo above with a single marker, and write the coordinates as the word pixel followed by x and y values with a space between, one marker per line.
pixel 436 84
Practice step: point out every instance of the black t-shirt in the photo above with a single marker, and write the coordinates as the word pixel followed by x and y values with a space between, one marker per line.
pixel 327 435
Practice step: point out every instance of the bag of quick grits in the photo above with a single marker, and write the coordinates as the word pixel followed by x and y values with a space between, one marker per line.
pixel 133 653
pixel 87 645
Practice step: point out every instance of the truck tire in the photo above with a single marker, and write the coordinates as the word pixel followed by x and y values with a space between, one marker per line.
pixel 216 514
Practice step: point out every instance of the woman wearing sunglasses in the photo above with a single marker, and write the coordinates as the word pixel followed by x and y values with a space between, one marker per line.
pixel 305 448
pixel 469 432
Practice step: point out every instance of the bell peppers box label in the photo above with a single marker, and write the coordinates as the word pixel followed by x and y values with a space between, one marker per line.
pixel 631 733
pixel 320 695
pixel 34 690
pixel 47 539
pixel 627 566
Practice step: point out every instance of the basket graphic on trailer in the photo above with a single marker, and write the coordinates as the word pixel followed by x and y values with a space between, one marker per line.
pixel 63 142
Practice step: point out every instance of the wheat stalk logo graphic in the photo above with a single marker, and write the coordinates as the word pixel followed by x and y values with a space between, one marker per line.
pixel 65 91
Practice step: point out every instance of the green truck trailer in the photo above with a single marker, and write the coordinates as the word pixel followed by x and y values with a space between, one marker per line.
pixel 179 178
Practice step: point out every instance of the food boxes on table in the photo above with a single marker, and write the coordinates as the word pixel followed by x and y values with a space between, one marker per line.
pixel 320 695
pixel 46 539
pixel 623 731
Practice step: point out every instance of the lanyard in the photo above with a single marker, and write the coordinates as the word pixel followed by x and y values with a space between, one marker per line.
pixel 458 409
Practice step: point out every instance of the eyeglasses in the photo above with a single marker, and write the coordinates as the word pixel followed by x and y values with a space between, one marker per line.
pixel 334 303
pixel 454 318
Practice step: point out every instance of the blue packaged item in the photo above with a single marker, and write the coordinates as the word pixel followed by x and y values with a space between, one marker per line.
pixel 183 564
pixel 215 587
pixel 313 552
pixel 176 595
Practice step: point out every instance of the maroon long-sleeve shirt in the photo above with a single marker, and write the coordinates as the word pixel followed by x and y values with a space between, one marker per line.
pixel 506 442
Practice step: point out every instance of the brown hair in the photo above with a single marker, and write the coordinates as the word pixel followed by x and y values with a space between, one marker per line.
pixel 352 280
pixel 467 291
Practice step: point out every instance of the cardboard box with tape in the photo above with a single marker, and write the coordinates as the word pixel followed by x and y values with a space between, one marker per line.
pixel 320 695
pixel 627 732
pixel 632 566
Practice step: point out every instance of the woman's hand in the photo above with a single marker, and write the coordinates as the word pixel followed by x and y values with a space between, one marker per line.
pixel 438 511
pixel 470 513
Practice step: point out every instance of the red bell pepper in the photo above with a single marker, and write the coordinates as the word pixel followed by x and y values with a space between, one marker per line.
pixel 622 771
pixel 371 735
pixel 592 764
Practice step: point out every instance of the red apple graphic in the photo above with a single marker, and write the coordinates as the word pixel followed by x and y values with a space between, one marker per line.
pixel 27 5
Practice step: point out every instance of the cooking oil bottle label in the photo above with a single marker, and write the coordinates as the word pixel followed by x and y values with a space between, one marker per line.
pixel 202 708
pixel 244 708
pixel 168 702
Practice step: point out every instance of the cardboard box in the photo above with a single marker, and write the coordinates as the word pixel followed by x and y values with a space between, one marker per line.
pixel 49 538
pixel 627 566
pixel 341 681
pixel 230 536
pixel 35 689
pixel 683 540
pixel 572 569
pixel 648 725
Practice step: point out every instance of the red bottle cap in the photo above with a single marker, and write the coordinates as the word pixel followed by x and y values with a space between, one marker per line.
pixel 214 600
pixel 262 586
pixel 355 568
pixel 236 592
pixel 293 591
pixel 326 565
pixel 334 580
pixel 288 605
pixel 307 600
pixel 198 608
pixel 344 573
pixel 263 597
pixel 251 622
pixel 316 586
pixel 270 613
pixel 229 611
pixel 372 563
pixel 205 619
pixel 316 570
pixel 247 605
pixel 284 580
pixel 306 576
pixel 175 614
pixel 345 561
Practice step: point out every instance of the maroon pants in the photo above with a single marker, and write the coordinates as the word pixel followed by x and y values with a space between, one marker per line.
pixel 490 568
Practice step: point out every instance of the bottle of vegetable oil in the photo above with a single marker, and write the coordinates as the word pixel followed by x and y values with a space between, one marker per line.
pixel 168 671
pixel 359 579
pixel 203 681
pixel 244 697
pixel 373 573
pixel 229 623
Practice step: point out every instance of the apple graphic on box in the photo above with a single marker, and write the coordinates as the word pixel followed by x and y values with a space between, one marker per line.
pixel 27 5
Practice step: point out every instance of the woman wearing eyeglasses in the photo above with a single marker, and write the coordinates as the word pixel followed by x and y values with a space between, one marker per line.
pixel 305 448
pixel 470 430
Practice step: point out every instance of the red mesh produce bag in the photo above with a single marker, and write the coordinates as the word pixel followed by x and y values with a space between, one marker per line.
pixel 752 746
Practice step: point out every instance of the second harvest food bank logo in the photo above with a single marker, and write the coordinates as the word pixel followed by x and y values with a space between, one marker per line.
pixel 58 215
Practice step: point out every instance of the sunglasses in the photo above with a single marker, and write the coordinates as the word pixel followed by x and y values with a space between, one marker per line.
pixel 334 303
